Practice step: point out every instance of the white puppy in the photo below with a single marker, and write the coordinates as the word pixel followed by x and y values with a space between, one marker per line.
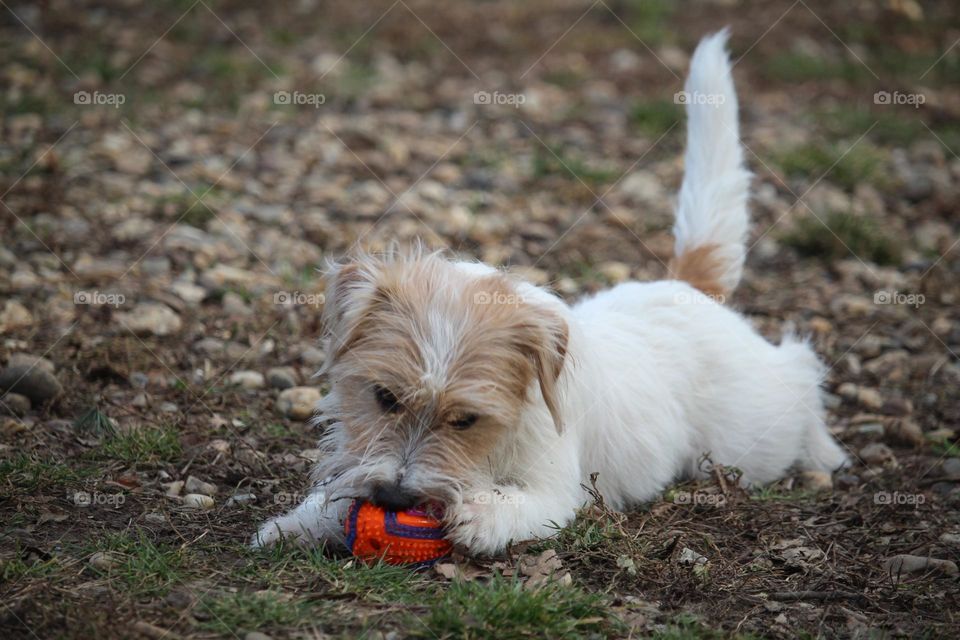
pixel 453 382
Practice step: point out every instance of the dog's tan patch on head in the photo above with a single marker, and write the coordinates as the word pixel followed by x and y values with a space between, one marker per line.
pixel 700 267
pixel 458 351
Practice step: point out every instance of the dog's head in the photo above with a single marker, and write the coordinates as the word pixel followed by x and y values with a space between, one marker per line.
pixel 431 364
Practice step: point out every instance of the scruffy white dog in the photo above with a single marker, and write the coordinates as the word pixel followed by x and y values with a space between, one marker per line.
pixel 453 382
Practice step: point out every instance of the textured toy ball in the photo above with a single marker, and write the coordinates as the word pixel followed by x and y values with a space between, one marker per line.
pixel 411 537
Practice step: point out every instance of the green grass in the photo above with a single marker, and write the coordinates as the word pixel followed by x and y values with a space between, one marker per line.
pixel 30 474
pixel 843 165
pixel 147 569
pixel 503 609
pixel 586 533
pixel 236 614
pixel 775 493
pixel 557 161
pixel 840 234
pixel 946 449
pixel 647 20
pixel 801 67
pixel 94 422
pixel 655 117
pixel 17 569
pixel 147 444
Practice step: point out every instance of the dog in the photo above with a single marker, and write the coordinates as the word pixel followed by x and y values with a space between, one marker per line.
pixel 455 383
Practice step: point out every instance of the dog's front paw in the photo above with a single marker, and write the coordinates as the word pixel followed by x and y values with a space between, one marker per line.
pixel 474 527
pixel 272 531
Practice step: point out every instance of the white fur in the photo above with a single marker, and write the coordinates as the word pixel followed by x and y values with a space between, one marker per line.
pixel 712 206
pixel 656 376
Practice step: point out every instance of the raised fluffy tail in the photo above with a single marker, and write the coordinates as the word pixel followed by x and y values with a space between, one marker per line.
pixel 711 219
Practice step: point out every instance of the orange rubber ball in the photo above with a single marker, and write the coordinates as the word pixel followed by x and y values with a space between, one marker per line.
pixel 411 537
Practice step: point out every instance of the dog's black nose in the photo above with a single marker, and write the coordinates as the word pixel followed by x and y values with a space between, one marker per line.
pixel 393 498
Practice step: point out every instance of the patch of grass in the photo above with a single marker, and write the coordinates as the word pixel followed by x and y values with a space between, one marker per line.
pixel 655 117
pixel 557 161
pixel 946 449
pixel 801 67
pixel 774 493
pixel 852 122
pixel 237 613
pixel 687 627
pixel 376 583
pixel 16 569
pixel 647 19
pixel 29 474
pixel 94 422
pixel 588 532
pixel 841 234
pixel 148 444
pixel 143 566
pixel 843 165
pixel 504 609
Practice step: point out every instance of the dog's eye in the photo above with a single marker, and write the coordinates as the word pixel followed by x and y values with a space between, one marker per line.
pixel 387 401
pixel 464 422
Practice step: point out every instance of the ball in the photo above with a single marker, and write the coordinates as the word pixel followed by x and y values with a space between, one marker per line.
pixel 411 537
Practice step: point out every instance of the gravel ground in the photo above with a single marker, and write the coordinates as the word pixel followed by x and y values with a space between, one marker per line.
pixel 174 173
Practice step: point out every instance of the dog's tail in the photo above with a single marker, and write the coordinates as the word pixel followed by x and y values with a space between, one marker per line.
pixel 711 219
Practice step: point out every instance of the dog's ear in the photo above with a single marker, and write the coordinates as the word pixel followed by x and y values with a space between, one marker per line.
pixel 346 296
pixel 544 339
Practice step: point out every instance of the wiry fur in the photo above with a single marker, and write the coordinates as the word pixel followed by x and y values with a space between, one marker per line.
pixel 637 383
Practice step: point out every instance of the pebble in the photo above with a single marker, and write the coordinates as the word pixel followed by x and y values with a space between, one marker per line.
pixel 906 563
pixel 847 480
pixel 104 560
pixel 870 398
pixel 150 318
pixel 234 304
pixel 174 489
pixel 282 377
pixel 298 402
pixel 14 404
pixel 816 480
pixel 877 453
pixel 951 468
pixel 241 498
pixel 950 538
pixel 313 357
pixel 197 501
pixel 256 635
pixel 689 557
pixel 196 485
pixel 14 316
pixel 28 360
pixel 35 383
pixel 247 379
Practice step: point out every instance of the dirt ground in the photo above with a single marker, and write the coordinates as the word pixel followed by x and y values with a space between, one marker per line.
pixel 173 173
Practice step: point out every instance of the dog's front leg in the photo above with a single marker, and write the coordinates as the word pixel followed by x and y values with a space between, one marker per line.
pixel 313 521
